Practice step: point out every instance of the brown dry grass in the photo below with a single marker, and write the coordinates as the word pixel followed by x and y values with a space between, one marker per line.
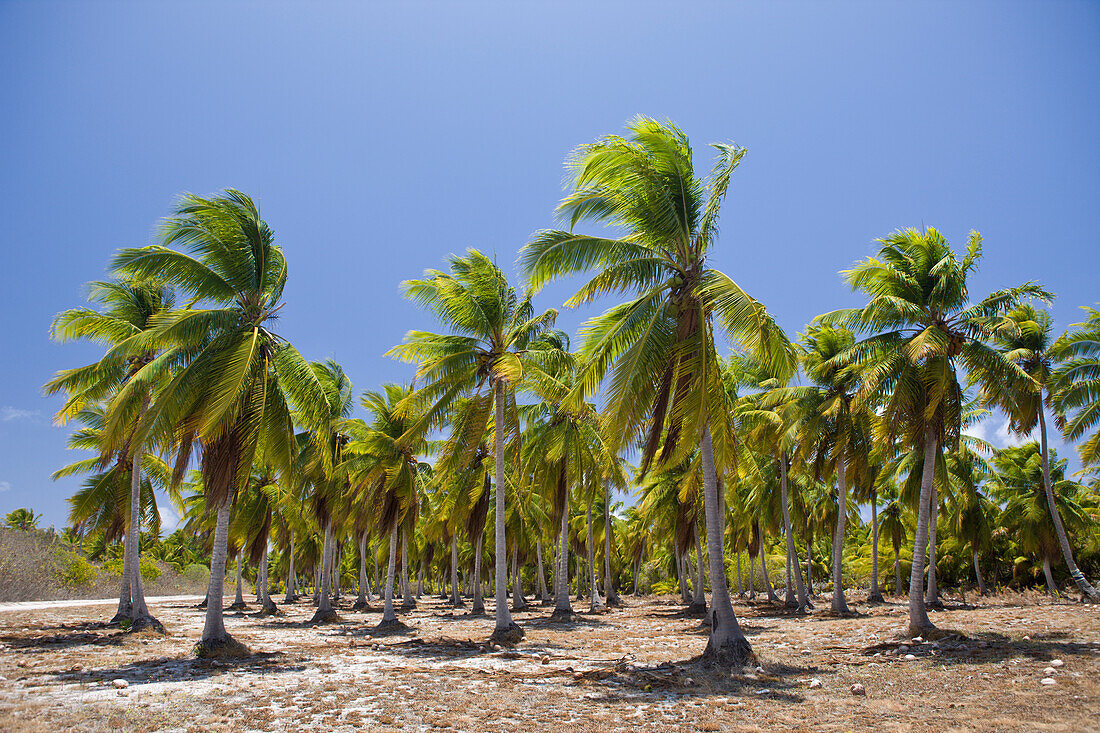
pixel 631 669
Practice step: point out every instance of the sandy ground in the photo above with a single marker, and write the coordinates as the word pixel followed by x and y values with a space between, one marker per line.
pixel 630 669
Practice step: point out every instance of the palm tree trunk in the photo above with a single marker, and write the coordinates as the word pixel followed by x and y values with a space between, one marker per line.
pixel 1087 590
pixel 562 606
pixel 388 614
pixel 978 572
pixel 918 614
pixel 792 554
pixel 809 564
pixel 327 561
pixel 125 606
pixel 684 596
pixel 897 572
pixel 596 603
pixel 740 584
pixel 699 597
pixel 932 597
pixel 361 601
pixel 609 591
pixel 479 596
pixel 519 603
pixel 213 631
pixel 456 597
pixel 506 629
pixel 407 600
pixel 542 576
pixel 637 569
pixel 337 563
pixel 291 579
pixel 727 641
pixel 141 617
pixel 1052 588
pixel 875 594
pixel 840 605
pixel 752 577
pixel 772 597
pixel 239 600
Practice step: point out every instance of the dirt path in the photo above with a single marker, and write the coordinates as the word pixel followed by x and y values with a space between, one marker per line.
pixel 629 670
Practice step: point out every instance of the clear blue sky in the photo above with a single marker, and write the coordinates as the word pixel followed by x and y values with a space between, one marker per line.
pixel 380 139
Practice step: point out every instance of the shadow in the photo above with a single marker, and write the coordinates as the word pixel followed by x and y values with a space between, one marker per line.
pixel 66 636
pixel 174 669
pixel 988 648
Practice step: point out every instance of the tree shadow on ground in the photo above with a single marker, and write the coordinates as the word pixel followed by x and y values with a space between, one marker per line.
pixel 65 636
pixel 175 669
pixel 624 681
pixel 987 648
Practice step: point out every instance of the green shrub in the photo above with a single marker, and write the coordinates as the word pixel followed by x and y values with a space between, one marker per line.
pixel 113 567
pixel 149 569
pixel 75 571
pixel 197 573
pixel 666 587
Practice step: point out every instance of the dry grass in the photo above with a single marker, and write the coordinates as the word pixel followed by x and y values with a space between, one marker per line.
pixel 631 669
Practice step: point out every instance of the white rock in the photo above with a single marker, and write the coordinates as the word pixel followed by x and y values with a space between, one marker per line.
pixel 916 639
pixel 815 683
pixel 908 657
pixel 1057 663
pixel 858 689
pixel 1047 681
pixel 120 683
pixel 1049 671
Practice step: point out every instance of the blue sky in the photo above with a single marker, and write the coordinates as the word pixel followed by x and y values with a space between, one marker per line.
pixel 379 139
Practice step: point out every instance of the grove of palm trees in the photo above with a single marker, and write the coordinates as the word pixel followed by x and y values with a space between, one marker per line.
pixel 678 516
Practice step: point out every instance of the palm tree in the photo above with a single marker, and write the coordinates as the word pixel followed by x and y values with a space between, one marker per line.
pixel 23 519
pixel 128 309
pixel 1019 482
pixel 660 345
pixel 972 512
pixel 234 386
pixel 1075 385
pixel 892 524
pixel 1030 345
pixel 924 327
pixel 491 331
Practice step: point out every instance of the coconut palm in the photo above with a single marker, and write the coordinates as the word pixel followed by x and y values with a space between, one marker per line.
pixel 925 326
pixel 972 513
pixel 659 346
pixel 1076 385
pixel 1030 344
pixel 491 330
pixel 127 311
pixel 233 393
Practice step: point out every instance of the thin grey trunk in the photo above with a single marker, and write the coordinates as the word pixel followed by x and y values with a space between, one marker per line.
pixel 932 597
pixel 503 616
pixel 1052 589
pixel 897 573
pixel 125 606
pixel 840 605
pixel 561 577
pixel 387 613
pixel 875 594
pixel 752 577
pixel 407 600
pixel 456 597
pixel 596 603
pixel 239 600
pixel 291 580
pixel 978 572
pixel 772 597
pixel 726 638
pixel 809 565
pixel 478 592
pixel 680 573
pixel 1083 585
pixel 324 595
pixel 518 601
pixel 362 600
pixel 214 628
pixel 137 592
pixel 542 576
pixel 740 583
pixel 637 569
pixel 792 553
pixel 918 613
pixel 699 597
pixel 609 591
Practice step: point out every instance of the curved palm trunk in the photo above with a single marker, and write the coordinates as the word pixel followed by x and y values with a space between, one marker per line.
pixel 932 595
pixel 506 629
pixel 542 592
pixel 388 614
pixel 918 614
pixel 407 600
pixel 479 596
pixel 1052 588
pixel 792 554
pixel 727 641
pixel 609 591
pixel 1087 590
pixel 840 605
pixel 596 602
pixel 875 594
pixel 291 578
pixel 562 605
pixel 978 572
pixel 213 631
pixel 456 597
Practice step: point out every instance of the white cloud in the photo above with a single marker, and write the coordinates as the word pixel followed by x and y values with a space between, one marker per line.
pixel 4 486
pixel 9 413
pixel 994 429
pixel 169 522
